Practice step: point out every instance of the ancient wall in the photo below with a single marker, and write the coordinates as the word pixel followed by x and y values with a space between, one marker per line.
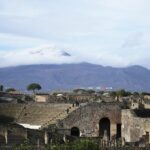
pixel 41 98
pixel 16 134
pixel 87 118
pixel 33 113
pixel 12 133
pixel 15 96
pixel 71 98
pixel 134 105
pixel 134 127
pixel 146 103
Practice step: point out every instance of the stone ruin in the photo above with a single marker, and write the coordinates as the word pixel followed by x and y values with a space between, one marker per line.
pixel 107 121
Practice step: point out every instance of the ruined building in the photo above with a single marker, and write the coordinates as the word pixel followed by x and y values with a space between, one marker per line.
pixel 109 121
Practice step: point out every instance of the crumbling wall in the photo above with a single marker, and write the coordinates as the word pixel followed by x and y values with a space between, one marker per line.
pixel 134 127
pixel 87 118
pixel 12 134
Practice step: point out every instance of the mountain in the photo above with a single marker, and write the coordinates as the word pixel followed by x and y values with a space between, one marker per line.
pixel 68 76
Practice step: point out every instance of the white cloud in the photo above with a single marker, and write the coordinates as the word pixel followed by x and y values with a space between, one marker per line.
pixel 42 55
pixel 12 41
pixel 103 32
pixel 51 54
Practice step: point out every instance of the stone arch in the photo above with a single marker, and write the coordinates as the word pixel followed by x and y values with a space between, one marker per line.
pixel 75 131
pixel 104 127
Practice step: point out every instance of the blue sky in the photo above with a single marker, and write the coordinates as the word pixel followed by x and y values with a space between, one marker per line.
pixel 114 33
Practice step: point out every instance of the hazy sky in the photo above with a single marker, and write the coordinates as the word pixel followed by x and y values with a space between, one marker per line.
pixel 106 32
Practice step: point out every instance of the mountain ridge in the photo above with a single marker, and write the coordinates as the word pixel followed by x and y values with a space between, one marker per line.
pixel 76 75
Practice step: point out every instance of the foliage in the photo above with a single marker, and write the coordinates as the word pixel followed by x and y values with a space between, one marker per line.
pixel 136 94
pixel 83 91
pixel 86 145
pixel 101 92
pixel 1 87
pixel 90 91
pixel 145 93
pixel 113 94
pixel 77 145
pixel 33 87
pixel 120 93
pixel 79 90
pixel 10 90
pixel 24 146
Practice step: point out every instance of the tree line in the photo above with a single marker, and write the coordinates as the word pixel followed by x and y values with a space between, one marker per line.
pixel 31 87
pixel 118 93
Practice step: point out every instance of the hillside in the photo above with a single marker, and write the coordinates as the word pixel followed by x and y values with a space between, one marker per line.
pixel 68 76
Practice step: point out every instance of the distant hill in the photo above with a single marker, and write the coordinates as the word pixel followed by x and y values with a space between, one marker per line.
pixel 68 76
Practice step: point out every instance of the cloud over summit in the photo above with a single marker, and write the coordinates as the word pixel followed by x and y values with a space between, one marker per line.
pixel 41 55
pixel 114 33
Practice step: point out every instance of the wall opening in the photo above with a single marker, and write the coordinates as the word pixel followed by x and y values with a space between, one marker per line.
pixel 104 127
pixel 147 137
pixel 75 131
pixel 118 131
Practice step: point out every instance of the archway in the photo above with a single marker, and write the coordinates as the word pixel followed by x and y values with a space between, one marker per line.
pixel 104 127
pixel 75 131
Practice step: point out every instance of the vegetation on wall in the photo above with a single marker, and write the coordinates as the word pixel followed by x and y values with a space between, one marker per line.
pixel 76 145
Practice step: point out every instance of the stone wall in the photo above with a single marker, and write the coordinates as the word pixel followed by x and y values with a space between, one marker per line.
pixel 134 127
pixel 41 98
pixel 146 103
pixel 87 118
pixel 12 133
pixel 15 96
pixel 72 98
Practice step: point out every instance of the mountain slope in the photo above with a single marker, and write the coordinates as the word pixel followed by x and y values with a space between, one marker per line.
pixel 68 76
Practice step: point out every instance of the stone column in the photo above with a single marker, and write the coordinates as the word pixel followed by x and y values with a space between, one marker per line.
pixel 6 135
pixel 46 137
pixel 123 141
pixel 26 134
pixel 64 138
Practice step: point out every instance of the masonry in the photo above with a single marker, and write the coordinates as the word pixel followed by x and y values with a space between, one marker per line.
pixel 92 119
pixel 135 125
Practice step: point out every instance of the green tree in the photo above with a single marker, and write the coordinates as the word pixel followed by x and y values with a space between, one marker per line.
pixel 136 94
pixel 79 91
pixel 145 93
pixel 10 90
pixel 24 146
pixel 90 91
pixel 1 88
pixel 33 87
pixel 113 94
pixel 123 93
